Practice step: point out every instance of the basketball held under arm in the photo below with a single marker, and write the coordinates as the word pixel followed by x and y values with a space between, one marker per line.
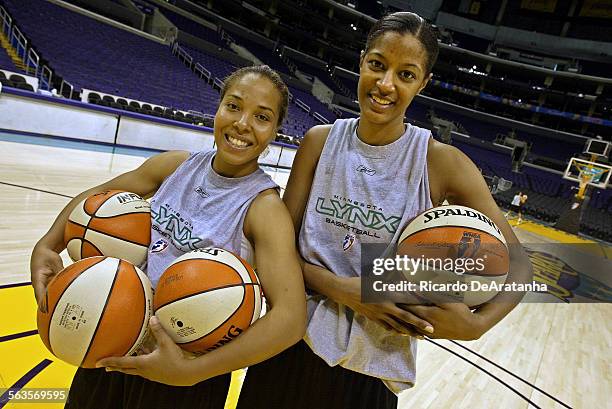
pixel 144 181
pixel 461 183
pixel 343 290
pixel 268 226
pixel 473 191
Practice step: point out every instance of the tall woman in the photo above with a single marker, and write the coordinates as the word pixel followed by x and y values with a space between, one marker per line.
pixel 223 199
pixel 360 181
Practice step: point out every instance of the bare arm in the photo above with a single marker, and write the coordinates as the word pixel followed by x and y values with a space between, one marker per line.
pixel 144 181
pixel 269 227
pixel 343 290
pixel 460 182
pixel 467 187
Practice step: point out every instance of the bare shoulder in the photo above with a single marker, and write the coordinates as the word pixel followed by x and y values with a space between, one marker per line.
pixel 267 201
pixel 442 156
pixel 162 165
pixel 170 159
pixel 267 213
pixel 448 168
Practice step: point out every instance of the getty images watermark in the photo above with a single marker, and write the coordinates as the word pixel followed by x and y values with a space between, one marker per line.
pixel 473 279
pixel 424 274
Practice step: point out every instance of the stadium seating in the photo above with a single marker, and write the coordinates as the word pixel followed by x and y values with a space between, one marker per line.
pixel 93 55
pixel 5 61
pixel 194 28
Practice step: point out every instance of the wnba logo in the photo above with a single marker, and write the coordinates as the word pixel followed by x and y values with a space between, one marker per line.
pixel 348 241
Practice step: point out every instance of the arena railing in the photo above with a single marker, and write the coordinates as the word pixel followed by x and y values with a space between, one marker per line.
pixel 46 76
pixel 7 22
pixel 67 86
pixel 320 118
pixel 19 42
pixel 302 105
pixel 201 71
pixel 32 62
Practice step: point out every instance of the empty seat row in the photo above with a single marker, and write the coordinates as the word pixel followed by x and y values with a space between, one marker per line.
pixel 147 109
pixel 15 81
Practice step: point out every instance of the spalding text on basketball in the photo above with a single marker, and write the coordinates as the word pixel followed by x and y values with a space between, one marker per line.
pixel 435 214
pixel 232 333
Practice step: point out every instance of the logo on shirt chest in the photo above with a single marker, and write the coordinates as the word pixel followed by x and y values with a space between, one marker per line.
pixel 348 241
pixel 159 246
pixel 366 170
pixel 201 191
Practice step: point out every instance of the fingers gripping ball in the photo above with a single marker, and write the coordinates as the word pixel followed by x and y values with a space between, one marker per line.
pixel 111 223
pixel 206 298
pixel 459 245
pixel 95 308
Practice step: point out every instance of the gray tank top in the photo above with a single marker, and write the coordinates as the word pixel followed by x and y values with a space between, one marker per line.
pixel 361 194
pixel 195 207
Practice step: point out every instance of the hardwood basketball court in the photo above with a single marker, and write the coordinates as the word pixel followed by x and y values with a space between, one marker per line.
pixel 561 349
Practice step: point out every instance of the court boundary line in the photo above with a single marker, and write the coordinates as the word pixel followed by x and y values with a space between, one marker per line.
pixel 2 287
pixel 511 373
pixel 18 335
pixel 485 371
pixel 36 189
pixel 21 382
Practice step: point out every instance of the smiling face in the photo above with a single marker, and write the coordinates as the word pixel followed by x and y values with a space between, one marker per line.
pixel 392 72
pixel 245 123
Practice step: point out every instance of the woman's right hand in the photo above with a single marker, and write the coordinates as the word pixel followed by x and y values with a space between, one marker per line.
pixel 387 314
pixel 45 263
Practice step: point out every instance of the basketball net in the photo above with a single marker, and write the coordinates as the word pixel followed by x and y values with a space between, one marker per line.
pixel 587 174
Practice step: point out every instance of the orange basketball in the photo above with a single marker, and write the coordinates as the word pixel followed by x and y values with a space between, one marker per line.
pixel 95 308
pixel 459 245
pixel 111 223
pixel 206 298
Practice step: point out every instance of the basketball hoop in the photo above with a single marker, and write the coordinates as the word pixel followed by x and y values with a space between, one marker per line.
pixel 587 176
pixel 504 184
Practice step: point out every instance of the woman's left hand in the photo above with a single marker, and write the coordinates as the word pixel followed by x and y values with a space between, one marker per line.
pixel 450 320
pixel 166 364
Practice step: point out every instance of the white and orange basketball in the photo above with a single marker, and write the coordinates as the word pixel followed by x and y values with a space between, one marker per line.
pixel 113 223
pixel 460 244
pixel 206 298
pixel 95 308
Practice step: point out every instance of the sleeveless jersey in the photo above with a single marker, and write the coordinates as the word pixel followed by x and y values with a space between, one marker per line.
pixel 195 207
pixel 361 194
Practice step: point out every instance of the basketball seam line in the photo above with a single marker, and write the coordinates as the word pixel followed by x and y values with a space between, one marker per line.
pixel 455 225
pixel 221 262
pixel 144 314
pixel 102 203
pixel 243 262
pixel 51 313
pixel 83 242
pixel 91 341
pixel 106 234
pixel 221 324
pixel 120 214
pixel 206 291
